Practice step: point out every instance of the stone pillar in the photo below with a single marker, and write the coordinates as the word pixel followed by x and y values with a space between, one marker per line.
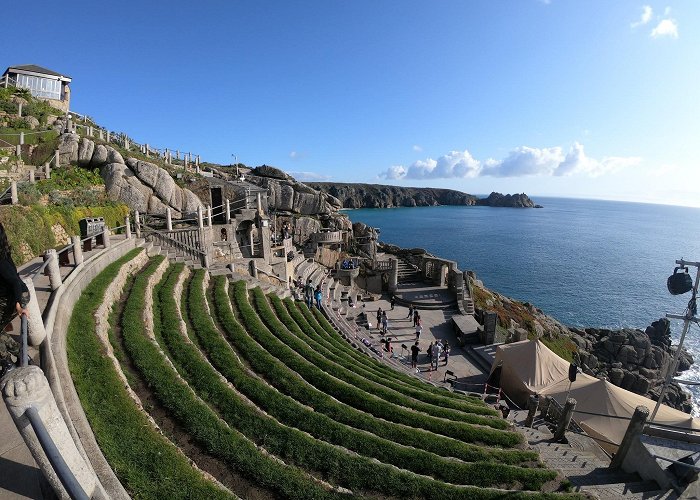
pixel 200 218
pixel 532 403
pixel 19 109
pixel 137 223
pixel 77 250
pixel 126 143
pixel 565 419
pixel 107 136
pixel 260 209
pixel 47 170
pixel 102 135
pixel 228 211
pixel 57 159
pixel 127 225
pixel 209 218
pixel 53 269
pixel 634 430
pixel 37 332
pixel 31 177
pixel 28 397
pixel 18 151
pixel 168 219
pixel 105 237
pixel 21 137
pixel 13 192
pixel 145 150
pixel 393 275
pixel 69 124
pixel 196 160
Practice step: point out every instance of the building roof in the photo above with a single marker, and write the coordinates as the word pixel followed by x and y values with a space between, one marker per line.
pixel 33 68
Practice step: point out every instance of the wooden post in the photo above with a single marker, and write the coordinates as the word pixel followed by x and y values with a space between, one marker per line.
pixel 77 250
pixel 137 223
pixel 532 403
pixel 544 407
pixel 565 419
pixel 13 193
pixel 634 430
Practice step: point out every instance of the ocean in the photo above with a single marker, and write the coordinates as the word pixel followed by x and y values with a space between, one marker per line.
pixel 587 263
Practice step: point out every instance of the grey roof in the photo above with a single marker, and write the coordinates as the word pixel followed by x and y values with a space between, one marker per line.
pixel 37 69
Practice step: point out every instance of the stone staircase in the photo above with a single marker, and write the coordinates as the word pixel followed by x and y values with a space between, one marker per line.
pixel 585 464
pixel 407 273
pixel 171 253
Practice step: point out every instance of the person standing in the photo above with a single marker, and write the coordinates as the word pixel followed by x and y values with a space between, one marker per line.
pixel 414 354
pixel 318 295
pixel 393 301
pixel 385 323
pixel 379 318
pixel 309 293
pixel 435 358
pixel 14 299
pixel 429 352
pixel 419 330
pixel 410 311
pixel 416 316
pixel 446 351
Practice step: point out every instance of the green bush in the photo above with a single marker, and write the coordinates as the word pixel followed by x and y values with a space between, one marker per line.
pixel 146 463
pixel 473 414
pixel 360 399
pixel 279 375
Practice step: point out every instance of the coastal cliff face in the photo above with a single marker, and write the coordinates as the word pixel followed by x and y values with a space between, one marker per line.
pixel 382 196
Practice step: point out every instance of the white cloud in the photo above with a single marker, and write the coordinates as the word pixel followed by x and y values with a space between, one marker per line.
pixel 293 155
pixel 417 148
pixel 647 13
pixel 666 27
pixel 309 176
pixel 521 161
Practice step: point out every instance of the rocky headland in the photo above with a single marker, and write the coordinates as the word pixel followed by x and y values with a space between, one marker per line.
pixel 353 195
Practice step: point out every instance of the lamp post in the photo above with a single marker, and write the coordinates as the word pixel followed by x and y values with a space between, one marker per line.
pixel 688 317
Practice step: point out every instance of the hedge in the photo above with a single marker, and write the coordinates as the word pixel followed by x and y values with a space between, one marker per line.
pixel 146 463
pixel 200 421
pixel 357 397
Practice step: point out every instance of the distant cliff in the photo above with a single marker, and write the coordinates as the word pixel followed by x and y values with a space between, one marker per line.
pixel 353 195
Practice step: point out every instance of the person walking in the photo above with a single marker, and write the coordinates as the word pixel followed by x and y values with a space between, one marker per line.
pixel 414 355
pixel 318 295
pixel 416 316
pixel 419 330
pixel 385 323
pixel 446 351
pixel 309 294
pixel 14 300
pixel 429 352
pixel 410 311
pixel 379 318
pixel 435 358
pixel 393 301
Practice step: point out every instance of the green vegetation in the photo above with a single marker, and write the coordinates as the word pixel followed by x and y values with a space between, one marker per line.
pixel 29 228
pixel 357 397
pixel 147 464
pixel 197 419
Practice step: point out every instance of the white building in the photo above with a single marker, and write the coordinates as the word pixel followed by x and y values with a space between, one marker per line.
pixel 41 82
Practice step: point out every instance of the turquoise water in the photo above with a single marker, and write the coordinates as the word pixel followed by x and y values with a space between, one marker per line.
pixel 585 262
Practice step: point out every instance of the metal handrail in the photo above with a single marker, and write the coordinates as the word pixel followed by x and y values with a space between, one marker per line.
pixel 64 473
pixel 176 242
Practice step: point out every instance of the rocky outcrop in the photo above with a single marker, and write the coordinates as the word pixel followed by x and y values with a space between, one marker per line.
pixel 143 186
pixel 380 196
pixel 507 200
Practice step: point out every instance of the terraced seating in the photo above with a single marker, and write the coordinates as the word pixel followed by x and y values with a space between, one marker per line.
pixel 269 391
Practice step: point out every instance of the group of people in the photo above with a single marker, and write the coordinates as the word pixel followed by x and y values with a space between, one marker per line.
pixel 435 351
pixel 348 264
pixel 310 292
pixel 382 321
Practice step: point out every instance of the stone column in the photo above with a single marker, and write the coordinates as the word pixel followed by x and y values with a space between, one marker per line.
pixel 77 250
pixel 544 407
pixel 47 170
pixel 13 193
pixel 228 211
pixel 21 137
pixel 634 430
pixel 565 419
pixel 393 275
pixel 53 269
pixel 19 109
pixel 168 219
pixel 145 150
pixel 18 151
pixel 200 218
pixel 105 237
pixel 126 143
pixel 260 209
pixel 197 160
pixel 28 397
pixel 209 218
pixel 107 136
pixel 127 225
pixel 31 177
pixel 37 332
pixel 532 403
pixel 102 135
pixel 137 223
pixel 57 159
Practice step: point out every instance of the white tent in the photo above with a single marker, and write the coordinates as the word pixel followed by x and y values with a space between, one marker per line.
pixel 530 367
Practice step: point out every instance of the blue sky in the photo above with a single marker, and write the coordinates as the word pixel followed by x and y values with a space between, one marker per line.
pixel 593 99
